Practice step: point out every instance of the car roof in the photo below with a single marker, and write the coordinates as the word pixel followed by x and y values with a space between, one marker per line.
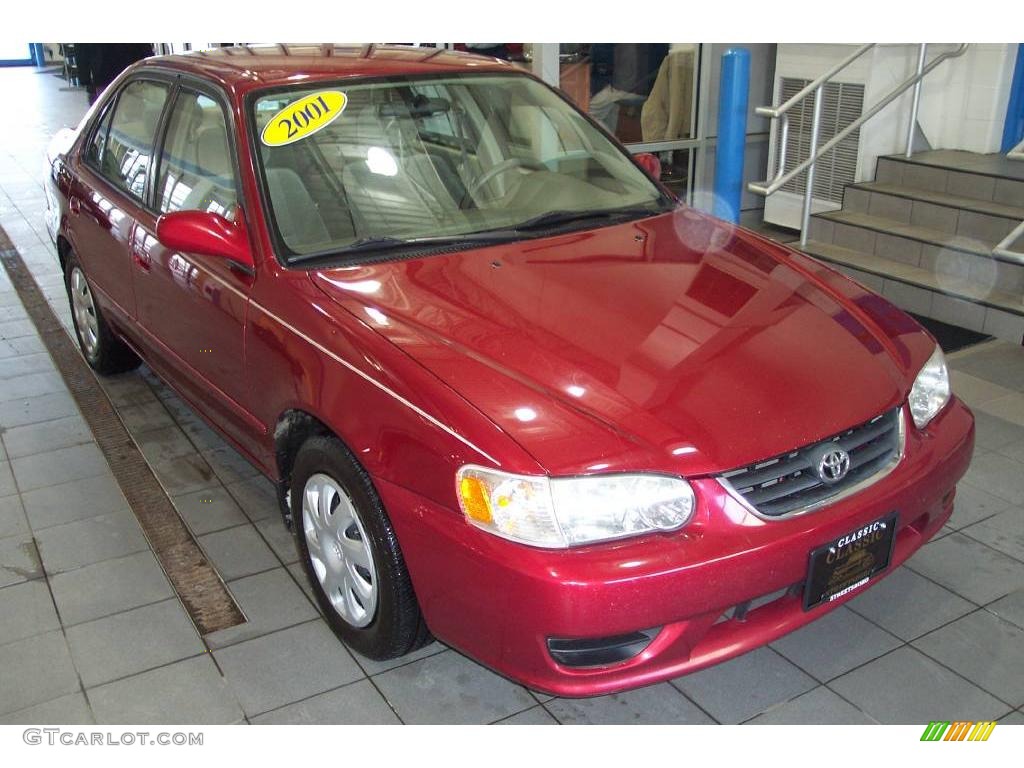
pixel 244 67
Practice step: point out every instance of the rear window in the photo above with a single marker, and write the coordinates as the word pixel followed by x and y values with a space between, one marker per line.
pixel 124 151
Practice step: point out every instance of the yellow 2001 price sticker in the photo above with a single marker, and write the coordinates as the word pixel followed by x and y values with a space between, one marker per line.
pixel 304 117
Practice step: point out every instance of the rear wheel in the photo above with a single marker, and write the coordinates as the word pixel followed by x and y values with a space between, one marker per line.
pixel 351 554
pixel 104 352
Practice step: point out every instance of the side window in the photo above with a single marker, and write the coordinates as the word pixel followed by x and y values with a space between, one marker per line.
pixel 94 152
pixel 196 172
pixel 129 146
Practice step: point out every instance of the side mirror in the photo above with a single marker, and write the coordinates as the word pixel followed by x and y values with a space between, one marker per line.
pixel 649 163
pixel 208 234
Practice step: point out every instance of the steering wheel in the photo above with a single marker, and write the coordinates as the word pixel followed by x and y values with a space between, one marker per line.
pixel 499 168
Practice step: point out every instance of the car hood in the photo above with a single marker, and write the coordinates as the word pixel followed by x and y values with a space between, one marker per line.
pixel 675 343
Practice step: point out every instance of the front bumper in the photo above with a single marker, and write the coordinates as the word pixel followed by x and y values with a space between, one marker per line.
pixel 500 602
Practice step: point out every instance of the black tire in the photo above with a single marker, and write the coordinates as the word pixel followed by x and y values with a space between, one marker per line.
pixel 397 625
pixel 109 355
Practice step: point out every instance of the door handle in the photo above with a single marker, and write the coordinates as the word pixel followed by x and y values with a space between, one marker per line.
pixel 142 261
pixel 75 205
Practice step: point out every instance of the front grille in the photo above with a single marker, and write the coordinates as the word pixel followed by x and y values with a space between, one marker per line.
pixel 791 482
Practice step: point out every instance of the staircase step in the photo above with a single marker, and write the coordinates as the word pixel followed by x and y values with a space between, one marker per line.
pixel 980 219
pixel 938 253
pixel 920 233
pixel 990 178
pixel 995 164
pixel 963 301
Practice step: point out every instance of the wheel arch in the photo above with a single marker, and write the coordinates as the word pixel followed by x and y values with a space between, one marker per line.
pixel 294 426
pixel 63 249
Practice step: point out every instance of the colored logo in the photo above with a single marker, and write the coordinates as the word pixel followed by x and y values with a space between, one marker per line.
pixel 304 117
pixel 960 730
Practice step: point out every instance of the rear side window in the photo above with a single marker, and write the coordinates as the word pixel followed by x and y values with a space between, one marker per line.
pixel 129 144
pixel 94 152
pixel 196 170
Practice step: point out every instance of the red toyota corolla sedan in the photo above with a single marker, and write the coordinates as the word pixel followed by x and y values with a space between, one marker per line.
pixel 512 393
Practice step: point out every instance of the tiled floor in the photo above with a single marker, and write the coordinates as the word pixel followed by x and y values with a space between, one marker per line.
pixel 91 630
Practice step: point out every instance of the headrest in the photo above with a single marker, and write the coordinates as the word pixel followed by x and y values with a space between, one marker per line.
pixel 212 152
pixel 367 127
pixel 189 115
pixel 131 107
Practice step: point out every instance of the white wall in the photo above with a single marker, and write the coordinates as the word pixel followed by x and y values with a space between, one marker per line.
pixel 963 101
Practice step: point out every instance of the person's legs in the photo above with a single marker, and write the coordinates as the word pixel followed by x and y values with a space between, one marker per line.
pixel 604 107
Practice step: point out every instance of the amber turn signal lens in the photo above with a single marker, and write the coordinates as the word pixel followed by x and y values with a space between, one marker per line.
pixel 474 499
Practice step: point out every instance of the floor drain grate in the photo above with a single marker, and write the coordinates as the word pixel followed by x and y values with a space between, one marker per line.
pixel 197 583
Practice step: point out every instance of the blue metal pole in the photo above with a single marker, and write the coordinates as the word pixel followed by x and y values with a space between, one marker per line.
pixel 38 56
pixel 733 92
pixel 1013 128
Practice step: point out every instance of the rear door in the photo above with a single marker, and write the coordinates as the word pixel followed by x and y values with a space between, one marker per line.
pixel 110 189
pixel 192 308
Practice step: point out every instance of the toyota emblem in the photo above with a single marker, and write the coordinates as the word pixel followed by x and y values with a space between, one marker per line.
pixel 833 465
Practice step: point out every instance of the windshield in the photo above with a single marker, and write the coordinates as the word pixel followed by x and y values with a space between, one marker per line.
pixel 389 161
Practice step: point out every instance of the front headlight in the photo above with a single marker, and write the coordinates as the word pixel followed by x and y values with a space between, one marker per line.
pixel 930 391
pixel 561 512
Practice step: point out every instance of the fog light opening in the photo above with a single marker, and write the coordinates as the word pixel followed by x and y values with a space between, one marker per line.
pixel 600 651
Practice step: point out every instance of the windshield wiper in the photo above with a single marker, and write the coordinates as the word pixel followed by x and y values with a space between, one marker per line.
pixel 373 244
pixel 544 221
pixel 557 218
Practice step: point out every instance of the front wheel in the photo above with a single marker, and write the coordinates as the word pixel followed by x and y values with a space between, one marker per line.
pixel 351 554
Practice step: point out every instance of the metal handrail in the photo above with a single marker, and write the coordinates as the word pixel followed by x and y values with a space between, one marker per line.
pixel 781 177
pixel 782 111
pixel 794 100
pixel 1003 249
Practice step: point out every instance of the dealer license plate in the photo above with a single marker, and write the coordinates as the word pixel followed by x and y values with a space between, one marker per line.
pixel 849 562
